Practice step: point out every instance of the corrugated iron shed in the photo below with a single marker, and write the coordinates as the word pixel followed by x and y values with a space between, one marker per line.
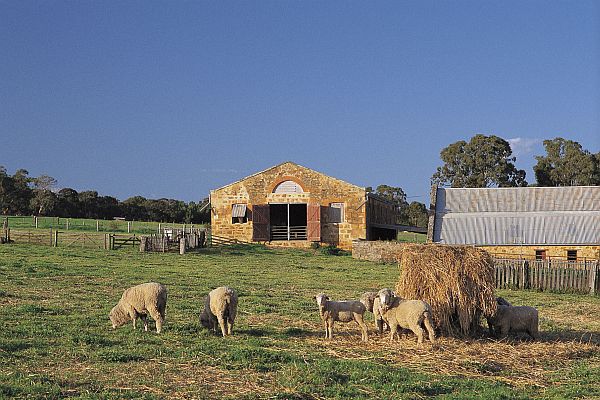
pixel 507 216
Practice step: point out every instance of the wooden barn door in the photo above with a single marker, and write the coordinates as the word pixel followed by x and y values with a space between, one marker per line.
pixel 260 223
pixel 313 222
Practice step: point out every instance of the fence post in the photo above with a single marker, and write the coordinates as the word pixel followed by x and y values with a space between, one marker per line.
pixel 55 237
pixel 182 245
pixel 143 243
pixel 128 227
pixel 592 281
pixel 97 226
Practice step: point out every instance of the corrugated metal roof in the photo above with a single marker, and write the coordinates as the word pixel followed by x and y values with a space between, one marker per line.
pixel 500 216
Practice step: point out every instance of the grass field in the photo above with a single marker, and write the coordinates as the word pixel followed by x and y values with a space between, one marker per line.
pixel 85 225
pixel 56 340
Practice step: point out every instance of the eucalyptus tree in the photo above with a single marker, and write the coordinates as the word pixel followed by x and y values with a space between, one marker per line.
pixel 484 161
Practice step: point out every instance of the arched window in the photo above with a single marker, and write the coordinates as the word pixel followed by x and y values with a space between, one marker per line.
pixel 288 187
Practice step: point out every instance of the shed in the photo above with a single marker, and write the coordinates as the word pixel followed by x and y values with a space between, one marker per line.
pixel 533 222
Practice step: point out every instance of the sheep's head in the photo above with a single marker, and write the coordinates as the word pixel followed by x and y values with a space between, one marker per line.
pixel 386 296
pixel 321 299
pixel 118 317
pixel 501 301
pixel 205 319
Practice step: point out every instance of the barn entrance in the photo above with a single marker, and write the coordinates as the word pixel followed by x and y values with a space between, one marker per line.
pixel 285 221
pixel 288 221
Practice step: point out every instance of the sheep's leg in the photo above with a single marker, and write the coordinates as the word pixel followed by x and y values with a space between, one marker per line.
pixel 133 315
pixel 330 328
pixel 361 323
pixel 144 319
pixel 214 323
pixel 230 326
pixel 222 325
pixel 533 332
pixel 379 325
pixel 417 331
pixel 156 315
pixel 393 330
pixel 430 329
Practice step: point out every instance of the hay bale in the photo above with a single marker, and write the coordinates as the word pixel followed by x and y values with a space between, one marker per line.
pixel 457 281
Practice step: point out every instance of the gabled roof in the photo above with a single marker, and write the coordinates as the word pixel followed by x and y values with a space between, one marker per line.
pixel 279 165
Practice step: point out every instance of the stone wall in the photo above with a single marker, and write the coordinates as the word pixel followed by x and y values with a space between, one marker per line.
pixel 318 189
pixel 589 252
pixel 378 251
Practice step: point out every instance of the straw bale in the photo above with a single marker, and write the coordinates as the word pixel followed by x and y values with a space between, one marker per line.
pixel 458 282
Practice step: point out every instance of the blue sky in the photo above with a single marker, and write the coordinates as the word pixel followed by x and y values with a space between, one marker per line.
pixel 172 99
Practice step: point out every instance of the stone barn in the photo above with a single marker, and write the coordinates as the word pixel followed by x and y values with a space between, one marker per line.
pixel 291 205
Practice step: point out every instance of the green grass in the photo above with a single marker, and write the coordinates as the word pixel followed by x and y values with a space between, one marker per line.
pixel 56 340
pixel 410 237
pixel 85 225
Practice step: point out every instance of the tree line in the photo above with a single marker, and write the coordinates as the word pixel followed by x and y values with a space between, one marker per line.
pixel 483 161
pixel 21 194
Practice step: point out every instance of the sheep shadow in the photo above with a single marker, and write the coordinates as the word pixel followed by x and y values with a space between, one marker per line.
pixel 568 336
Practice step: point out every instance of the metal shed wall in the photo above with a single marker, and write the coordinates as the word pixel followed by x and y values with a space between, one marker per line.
pixel 502 216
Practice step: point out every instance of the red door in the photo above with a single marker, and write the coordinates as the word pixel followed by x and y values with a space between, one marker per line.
pixel 313 222
pixel 260 223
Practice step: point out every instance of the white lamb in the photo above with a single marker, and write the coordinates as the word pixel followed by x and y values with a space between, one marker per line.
pixel 342 311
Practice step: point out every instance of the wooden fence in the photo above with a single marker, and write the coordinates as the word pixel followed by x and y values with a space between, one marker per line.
pixel 548 275
pixel 169 241
pixel 56 238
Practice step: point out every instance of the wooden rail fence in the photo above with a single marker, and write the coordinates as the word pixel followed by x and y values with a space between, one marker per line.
pixel 548 275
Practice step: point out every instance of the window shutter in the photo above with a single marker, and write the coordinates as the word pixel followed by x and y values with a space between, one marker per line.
pixel 260 223
pixel 313 222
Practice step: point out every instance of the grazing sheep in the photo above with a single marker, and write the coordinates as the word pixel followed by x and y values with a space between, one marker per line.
pixel 139 301
pixel 514 319
pixel 220 306
pixel 409 314
pixel 342 311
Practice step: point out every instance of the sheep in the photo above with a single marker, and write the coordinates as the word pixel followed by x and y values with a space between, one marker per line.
pixel 367 298
pixel 139 301
pixel 373 304
pixel 513 319
pixel 342 311
pixel 410 314
pixel 501 301
pixel 220 306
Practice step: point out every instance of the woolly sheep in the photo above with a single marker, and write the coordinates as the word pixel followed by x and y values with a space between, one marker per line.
pixel 514 319
pixel 342 311
pixel 409 314
pixel 220 306
pixel 367 298
pixel 381 324
pixel 139 301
